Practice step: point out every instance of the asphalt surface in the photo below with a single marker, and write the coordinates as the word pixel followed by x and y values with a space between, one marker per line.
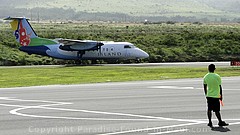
pixel 133 108
pixel 167 64
pixel 174 64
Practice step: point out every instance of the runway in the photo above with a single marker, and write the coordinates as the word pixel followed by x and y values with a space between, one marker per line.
pixel 126 108
pixel 165 65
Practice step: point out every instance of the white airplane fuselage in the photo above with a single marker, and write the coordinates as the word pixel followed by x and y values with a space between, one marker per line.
pixel 110 50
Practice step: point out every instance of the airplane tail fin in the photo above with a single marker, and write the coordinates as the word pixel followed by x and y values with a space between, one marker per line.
pixel 22 30
pixel 24 33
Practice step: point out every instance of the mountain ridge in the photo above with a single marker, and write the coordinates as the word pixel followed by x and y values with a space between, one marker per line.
pixel 135 8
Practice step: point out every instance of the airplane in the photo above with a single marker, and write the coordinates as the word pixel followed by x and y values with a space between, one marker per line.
pixel 69 49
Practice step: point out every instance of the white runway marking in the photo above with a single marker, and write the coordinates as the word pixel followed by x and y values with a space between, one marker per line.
pixel 172 87
pixel 52 103
pixel 184 88
pixel 149 129
pixel 168 132
pixel 135 117
pixel 235 123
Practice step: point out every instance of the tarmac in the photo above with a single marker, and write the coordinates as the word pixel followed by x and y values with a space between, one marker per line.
pixel 130 108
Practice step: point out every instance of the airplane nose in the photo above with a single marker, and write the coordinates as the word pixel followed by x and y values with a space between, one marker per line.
pixel 143 54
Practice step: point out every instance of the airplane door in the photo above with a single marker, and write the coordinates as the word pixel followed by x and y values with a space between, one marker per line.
pixel 112 50
pixel 127 51
pixel 127 54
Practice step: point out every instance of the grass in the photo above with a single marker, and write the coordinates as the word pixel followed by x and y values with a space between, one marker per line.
pixel 32 76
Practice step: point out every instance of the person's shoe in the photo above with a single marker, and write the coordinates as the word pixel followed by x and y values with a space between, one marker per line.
pixel 223 123
pixel 210 124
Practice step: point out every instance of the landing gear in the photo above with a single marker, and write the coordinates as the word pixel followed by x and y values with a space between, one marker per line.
pixel 138 61
pixel 80 54
pixel 78 62
pixel 94 62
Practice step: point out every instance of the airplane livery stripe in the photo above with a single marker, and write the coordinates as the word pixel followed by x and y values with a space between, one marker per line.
pixel 41 41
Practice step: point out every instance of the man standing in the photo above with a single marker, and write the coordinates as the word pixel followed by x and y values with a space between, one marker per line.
pixel 213 92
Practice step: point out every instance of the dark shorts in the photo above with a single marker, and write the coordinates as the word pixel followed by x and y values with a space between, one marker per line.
pixel 213 104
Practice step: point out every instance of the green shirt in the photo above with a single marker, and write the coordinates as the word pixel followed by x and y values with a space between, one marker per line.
pixel 213 82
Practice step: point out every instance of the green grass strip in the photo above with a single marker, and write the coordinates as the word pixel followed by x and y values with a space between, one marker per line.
pixel 36 76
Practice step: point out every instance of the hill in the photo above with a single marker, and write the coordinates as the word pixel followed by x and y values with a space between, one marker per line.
pixel 227 6
pixel 130 7
pixel 211 9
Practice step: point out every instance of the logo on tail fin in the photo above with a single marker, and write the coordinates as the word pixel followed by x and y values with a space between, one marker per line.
pixel 25 38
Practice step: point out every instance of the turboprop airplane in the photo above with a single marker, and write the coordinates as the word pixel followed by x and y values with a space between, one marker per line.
pixel 69 49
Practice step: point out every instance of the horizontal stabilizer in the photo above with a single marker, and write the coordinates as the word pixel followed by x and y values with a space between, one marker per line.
pixel 15 18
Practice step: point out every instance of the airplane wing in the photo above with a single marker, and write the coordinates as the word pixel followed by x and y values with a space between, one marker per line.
pixel 79 45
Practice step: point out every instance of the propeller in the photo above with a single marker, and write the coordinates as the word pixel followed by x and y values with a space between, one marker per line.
pixel 99 44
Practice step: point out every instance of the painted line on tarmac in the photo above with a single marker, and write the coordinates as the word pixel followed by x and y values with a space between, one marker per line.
pixel 184 88
pixel 47 106
pixel 53 103
pixel 168 132
pixel 171 87
pixel 217 120
pixel 150 129
pixel 235 123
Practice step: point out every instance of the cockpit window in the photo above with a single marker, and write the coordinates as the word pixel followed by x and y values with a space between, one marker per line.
pixel 129 46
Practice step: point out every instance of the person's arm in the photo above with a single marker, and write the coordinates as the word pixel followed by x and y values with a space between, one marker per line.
pixel 205 88
pixel 221 96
